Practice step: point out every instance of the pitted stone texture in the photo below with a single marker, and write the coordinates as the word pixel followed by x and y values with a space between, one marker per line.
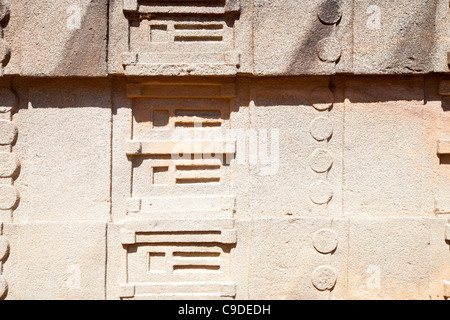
pixel 386 254
pixel 64 149
pixel 386 34
pixel 442 44
pixel 325 240
pixel 79 49
pixel 59 260
pixel 401 37
pixel 330 11
pixel 290 46
pixel 9 164
pixel 324 278
pixel 8 100
pixel 4 9
pixel 386 176
pixel 321 128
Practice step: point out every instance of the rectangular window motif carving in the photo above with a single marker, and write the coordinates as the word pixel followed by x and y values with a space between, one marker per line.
pixel 181 37
pixel 179 229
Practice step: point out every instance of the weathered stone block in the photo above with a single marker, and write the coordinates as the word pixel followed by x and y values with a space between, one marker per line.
pixel 57 38
pixel 56 260
pixel 386 254
pixel 299 42
pixel 387 35
pixel 64 148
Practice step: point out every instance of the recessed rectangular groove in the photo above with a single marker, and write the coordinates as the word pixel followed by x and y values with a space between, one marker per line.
pixel 198 167
pixel 156 261
pixel 198 38
pixel 172 3
pixel 207 114
pixel 198 118
pixel 198 26
pixel 196 268
pixel 192 254
pixel 155 233
pixel 444 160
pixel 180 124
pixel 160 175
pixel 197 180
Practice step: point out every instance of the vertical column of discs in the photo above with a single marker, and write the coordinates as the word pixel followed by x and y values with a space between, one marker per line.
pixel 4 251
pixel 325 242
pixel 9 167
pixel 330 13
pixel 9 162
pixel 321 160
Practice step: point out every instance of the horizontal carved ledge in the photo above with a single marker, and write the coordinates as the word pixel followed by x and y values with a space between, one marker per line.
pixel 184 290
pixel 231 6
pixel 180 147
pixel 181 90
pixel 442 205
pixel 443 146
pixel 180 204
pixel 179 231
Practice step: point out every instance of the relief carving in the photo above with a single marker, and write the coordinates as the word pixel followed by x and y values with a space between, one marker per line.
pixel 181 37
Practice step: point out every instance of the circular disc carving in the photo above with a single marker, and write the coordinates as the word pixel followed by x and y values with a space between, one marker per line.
pixel 320 160
pixel 324 278
pixel 321 98
pixel 321 128
pixel 4 51
pixel 8 100
pixel 329 50
pixel 9 163
pixel 325 240
pixel 9 196
pixel 320 192
pixel 4 248
pixel 8 132
pixel 330 11
pixel 3 286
